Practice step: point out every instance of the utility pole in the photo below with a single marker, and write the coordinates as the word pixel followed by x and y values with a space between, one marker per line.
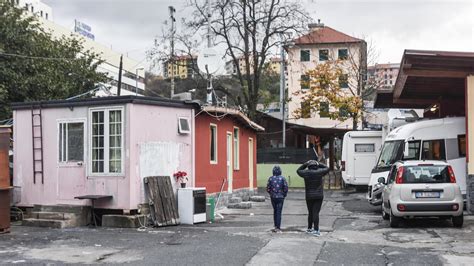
pixel 282 90
pixel 209 44
pixel 119 85
pixel 172 10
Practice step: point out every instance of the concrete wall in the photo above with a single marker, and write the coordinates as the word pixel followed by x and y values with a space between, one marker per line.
pixel 210 175
pixel 157 149
pixel 470 141
pixel 150 134
pixel 264 171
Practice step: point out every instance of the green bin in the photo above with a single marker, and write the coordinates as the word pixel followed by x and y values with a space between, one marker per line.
pixel 211 208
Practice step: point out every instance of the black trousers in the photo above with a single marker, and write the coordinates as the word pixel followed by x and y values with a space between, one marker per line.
pixel 314 206
pixel 277 208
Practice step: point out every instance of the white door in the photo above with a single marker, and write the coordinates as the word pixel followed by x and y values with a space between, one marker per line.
pixel 229 162
pixel 250 163
pixel 71 172
pixel 365 159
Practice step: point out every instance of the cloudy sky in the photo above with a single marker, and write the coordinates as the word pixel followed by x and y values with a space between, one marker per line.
pixel 130 26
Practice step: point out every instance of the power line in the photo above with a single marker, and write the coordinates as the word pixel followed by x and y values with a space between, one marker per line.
pixel 38 57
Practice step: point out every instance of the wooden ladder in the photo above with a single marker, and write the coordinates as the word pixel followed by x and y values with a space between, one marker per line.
pixel 37 134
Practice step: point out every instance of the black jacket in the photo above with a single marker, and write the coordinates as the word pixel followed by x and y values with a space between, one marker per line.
pixel 313 180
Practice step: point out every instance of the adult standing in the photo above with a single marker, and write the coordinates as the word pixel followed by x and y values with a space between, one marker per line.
pixel 277 187
pixel 313 173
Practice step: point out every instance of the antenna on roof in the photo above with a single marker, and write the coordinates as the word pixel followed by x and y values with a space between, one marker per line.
pixel 208 60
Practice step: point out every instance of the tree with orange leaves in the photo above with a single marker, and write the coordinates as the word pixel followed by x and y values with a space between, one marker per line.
pixel 326 94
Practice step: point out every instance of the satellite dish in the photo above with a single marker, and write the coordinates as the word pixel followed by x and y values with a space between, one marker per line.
pixel 208 61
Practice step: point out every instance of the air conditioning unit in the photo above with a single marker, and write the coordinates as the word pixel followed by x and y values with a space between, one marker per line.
pixel 184 96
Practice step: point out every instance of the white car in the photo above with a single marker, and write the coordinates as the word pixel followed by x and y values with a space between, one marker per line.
pixel 421 189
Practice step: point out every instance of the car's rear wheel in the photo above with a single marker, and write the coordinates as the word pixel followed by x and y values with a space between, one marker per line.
pixel 458 221
pixel 385 215
pixel 394 220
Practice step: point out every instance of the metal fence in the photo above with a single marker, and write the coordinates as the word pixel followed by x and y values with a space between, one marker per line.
pixel 285 155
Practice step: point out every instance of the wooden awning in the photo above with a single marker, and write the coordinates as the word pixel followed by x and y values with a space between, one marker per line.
pixel 428 77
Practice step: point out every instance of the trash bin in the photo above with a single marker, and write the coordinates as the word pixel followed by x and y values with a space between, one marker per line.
pixel 211 205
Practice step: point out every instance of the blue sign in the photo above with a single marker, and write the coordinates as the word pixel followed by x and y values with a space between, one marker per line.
pixel 83 29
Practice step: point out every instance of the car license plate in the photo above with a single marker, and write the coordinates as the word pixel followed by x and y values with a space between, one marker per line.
pixel 427 194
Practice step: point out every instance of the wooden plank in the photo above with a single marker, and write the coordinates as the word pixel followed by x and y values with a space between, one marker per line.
pixel 172 200
pixel 155 200
pixel 437 73
pixel 165 201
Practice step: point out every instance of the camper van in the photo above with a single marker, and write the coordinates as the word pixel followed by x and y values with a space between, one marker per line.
pixel 438 139
pixel 360 150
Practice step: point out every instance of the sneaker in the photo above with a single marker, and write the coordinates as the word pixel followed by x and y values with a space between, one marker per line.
pixel 278 231
pixel 316 233
pixel 309 230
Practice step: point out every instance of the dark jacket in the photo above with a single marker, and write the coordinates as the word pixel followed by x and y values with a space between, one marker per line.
pixel 313 179
pixel 277 186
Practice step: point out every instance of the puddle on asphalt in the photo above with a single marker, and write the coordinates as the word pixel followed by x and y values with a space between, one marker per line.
pixel 410 236
pixel 81 254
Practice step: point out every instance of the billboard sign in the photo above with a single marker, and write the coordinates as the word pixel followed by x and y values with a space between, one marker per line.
pixel 83 29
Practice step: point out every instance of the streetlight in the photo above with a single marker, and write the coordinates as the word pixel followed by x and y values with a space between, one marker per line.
pixel 136 79
pixel 283 44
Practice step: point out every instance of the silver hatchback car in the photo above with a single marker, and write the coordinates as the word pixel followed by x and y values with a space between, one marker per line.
pixel 421 189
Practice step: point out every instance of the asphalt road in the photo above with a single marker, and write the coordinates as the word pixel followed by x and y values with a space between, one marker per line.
pixel 353 233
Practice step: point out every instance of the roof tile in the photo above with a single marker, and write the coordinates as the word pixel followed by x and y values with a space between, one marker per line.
pixel 325 35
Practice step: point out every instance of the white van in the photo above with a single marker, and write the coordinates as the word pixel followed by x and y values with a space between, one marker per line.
pixel 438 139
pixel 360 150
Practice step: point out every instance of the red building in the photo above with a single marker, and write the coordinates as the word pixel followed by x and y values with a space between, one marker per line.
pixel 225 152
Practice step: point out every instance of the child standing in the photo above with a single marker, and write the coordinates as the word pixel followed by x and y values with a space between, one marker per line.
pixel 277 187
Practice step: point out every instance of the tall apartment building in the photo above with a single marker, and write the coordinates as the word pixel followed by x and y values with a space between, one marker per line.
pixel 383 75
pixel 321 44
pixel 183 67
pixel 35 7
pixel 132 84
pixel 272 64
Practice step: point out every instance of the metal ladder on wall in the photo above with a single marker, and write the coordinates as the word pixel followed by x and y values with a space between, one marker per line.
pixel 37 134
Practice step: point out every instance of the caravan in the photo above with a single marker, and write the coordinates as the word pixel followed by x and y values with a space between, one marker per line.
pixel 438 139
pixel 360 150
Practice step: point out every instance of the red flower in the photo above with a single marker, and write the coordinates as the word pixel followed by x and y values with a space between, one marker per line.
pixel 181 176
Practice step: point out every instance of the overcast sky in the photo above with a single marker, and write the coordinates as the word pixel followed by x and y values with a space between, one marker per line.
pixel 130 26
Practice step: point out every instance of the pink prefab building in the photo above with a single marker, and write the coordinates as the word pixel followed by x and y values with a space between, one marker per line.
pixel 101 146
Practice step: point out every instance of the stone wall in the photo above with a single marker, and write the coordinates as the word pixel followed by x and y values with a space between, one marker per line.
pixel 244 193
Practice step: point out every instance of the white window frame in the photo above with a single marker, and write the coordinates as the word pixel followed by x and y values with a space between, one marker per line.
pixel 372 145
pixel 236 138
pixel 84 152
pixel 215 144
pixel 180 130
pixel 106 111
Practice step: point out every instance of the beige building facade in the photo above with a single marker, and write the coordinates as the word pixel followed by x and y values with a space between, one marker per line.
pixel 320 45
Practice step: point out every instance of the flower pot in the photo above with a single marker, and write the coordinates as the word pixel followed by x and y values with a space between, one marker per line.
pixel 183 185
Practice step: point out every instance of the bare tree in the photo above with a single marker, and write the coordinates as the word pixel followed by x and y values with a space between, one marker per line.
pixel 250 30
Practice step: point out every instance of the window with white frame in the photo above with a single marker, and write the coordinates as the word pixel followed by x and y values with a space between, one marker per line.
pixel 106 141
pixel 213 134
pixel 183 125
pixel 71 141
pixel 236 148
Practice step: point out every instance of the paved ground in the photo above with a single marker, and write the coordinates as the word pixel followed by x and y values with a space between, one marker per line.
pixel 353 234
